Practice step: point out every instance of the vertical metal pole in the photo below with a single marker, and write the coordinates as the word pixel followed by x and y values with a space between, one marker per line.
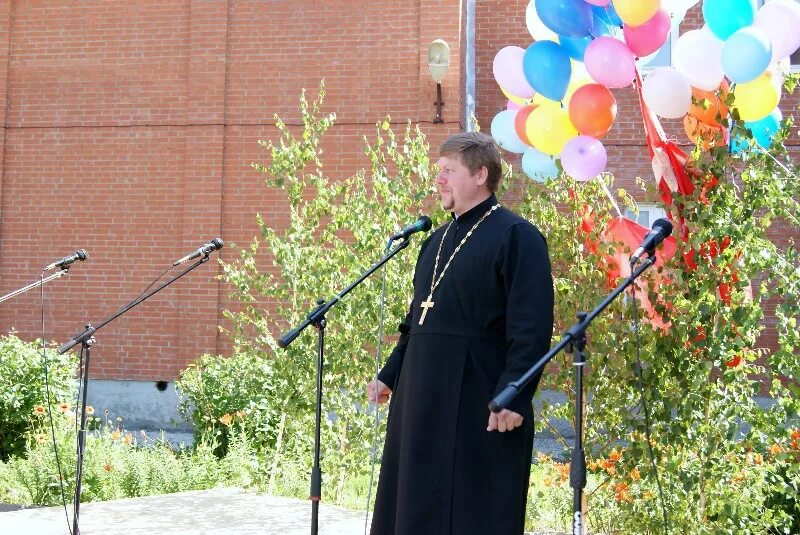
pixel 316 472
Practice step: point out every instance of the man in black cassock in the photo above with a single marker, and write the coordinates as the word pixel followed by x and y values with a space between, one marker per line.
pixel 450 466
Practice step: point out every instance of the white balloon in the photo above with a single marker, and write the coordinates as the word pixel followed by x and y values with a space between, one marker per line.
pixel 536 27
pixel 780 19
pixel 698 56
pixel 667 93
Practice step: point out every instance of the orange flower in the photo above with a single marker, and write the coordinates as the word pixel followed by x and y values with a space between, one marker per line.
pixel 226 419
pixel 615 456
pixel 41 438
pixel 63 408
pixel 775 449
pixel 39 410
pixel 622 492
pixel 107 467
pixel 635 475
pixel 593 466
pixel 548 481
pixel 647 495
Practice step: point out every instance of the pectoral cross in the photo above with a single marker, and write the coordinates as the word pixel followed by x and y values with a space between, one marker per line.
pixel 425 305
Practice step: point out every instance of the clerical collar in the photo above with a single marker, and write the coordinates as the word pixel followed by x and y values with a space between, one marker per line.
pixel 472 215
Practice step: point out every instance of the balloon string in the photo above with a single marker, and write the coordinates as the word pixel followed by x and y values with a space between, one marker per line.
pixel 788 171
pixel 608 194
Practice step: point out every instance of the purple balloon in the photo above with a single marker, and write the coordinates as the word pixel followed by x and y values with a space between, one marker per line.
pixel 610 62
pixel 507 69
pixel 583 158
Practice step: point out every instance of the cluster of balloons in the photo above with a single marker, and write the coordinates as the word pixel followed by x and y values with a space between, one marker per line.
pixel 736 44
pixel 559 88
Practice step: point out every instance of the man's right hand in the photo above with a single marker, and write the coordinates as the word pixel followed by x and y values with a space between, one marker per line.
pixel 378 392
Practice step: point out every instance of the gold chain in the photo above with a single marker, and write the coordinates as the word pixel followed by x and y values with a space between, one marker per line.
pixel 434 281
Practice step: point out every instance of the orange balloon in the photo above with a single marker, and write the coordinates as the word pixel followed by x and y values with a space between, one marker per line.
pixel 520 120
pixel 716 104
pixel 705 135
pixel 592 109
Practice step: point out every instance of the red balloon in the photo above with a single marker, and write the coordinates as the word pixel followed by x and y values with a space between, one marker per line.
pixel 592 110
pixel 520 120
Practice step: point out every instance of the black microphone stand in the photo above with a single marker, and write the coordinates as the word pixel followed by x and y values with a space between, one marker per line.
pixel 64 271
pixel 86 339
pixel 575 338
pixel 317 318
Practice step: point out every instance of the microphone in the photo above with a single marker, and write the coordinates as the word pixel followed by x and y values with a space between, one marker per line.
pixel 422 224
pixel 662 228
pixel 205 250
pixel 80 254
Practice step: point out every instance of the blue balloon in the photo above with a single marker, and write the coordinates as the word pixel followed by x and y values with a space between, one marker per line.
pixel 764 130
pixel 538 166
pixel 574 46
pixel 600 27
pixel 746 54
pixel 504 133
pixel 547 68
pixel 725 17
pixel 566 17
pixel 607 14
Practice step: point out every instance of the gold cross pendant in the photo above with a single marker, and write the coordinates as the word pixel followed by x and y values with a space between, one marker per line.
pixel 425 305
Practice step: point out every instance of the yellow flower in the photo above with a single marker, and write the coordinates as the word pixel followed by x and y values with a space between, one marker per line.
pixel 116 434
pixel 63 408
pixel 128 438
pixel 39 410
pixel 89 409
pixel 226 419
pixel 41 438
pixel 635 475
pixel 775 449
pixel 548 481
pixel 107 467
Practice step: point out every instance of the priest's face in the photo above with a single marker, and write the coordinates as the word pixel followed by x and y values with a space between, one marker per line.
pixel 460 190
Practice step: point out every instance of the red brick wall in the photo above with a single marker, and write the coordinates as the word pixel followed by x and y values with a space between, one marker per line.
pixel 129 128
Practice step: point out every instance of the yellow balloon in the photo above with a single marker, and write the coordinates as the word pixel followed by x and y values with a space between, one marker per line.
pixel 513 98
pixel 755 100
pixel 548 128
pixel 636 12
pixel 541 100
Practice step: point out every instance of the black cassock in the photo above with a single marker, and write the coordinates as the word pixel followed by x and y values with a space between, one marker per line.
pixel 442 473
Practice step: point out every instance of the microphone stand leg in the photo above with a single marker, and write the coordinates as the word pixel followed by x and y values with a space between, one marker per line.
pixel 81 438
pixel 316 471
pixel 577 472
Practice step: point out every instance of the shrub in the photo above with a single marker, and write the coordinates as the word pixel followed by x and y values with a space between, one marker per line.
pixel 22 388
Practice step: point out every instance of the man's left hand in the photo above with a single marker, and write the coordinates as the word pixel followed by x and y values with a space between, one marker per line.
pixel 503 421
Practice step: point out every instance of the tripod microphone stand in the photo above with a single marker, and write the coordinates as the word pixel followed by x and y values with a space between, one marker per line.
pixel 575 339
pixel 317 318
pixel 86 339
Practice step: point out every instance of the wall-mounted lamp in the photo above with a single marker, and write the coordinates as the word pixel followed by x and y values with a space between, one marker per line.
pixel 438 62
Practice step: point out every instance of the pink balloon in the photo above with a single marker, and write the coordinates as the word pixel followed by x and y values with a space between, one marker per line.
pixel 507 68
pixel 513 106
pixel 610 62
pixel 649 37
pixel 583 158
pixel 598 2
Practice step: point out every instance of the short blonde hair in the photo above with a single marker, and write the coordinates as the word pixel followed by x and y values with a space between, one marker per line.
pixel 476 150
